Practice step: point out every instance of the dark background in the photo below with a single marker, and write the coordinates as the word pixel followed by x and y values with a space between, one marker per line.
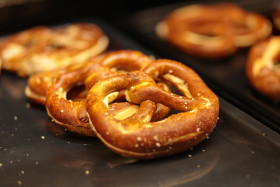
pixel 20 14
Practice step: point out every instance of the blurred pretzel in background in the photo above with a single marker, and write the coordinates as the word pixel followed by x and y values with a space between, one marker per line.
pixel 213 31
pixel 42 48
pixel 263 67
pixel 139 137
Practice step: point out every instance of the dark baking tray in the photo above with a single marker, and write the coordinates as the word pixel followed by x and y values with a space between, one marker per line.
pixel 36 152
pixel 226 76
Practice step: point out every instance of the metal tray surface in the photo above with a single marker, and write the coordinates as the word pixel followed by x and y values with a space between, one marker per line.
pixel 226 76
pixel 36 152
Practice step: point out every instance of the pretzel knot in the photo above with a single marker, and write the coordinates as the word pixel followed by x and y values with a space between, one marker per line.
pixel 71 114
pixel 213 31
pixel 263 67
pixel 137 136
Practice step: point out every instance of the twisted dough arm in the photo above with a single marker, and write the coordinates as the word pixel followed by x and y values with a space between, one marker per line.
pixel 134 138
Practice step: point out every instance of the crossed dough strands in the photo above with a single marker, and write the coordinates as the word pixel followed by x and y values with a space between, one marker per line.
pixel 72 114
pixel 137 136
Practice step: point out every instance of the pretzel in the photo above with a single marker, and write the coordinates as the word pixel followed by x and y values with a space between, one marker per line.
pixel 161 110
pixel 263 68
pixel 72 114
pixel 124 60
pixel 137 136
pixel 38 83
pixel 212 31
pixel 42 48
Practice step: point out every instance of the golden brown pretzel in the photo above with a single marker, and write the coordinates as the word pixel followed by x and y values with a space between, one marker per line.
pixel 72 115
pixel 69 114
pixel 213 31
pixel 42 48
pixel 263 67
pixel 138 137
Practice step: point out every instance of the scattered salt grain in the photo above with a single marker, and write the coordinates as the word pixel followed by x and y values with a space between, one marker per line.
pixel 27 105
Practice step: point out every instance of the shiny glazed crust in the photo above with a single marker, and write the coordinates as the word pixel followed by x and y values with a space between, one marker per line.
pixel 71 114
pixel 38 83
pixel 137 136
pixel 263 70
